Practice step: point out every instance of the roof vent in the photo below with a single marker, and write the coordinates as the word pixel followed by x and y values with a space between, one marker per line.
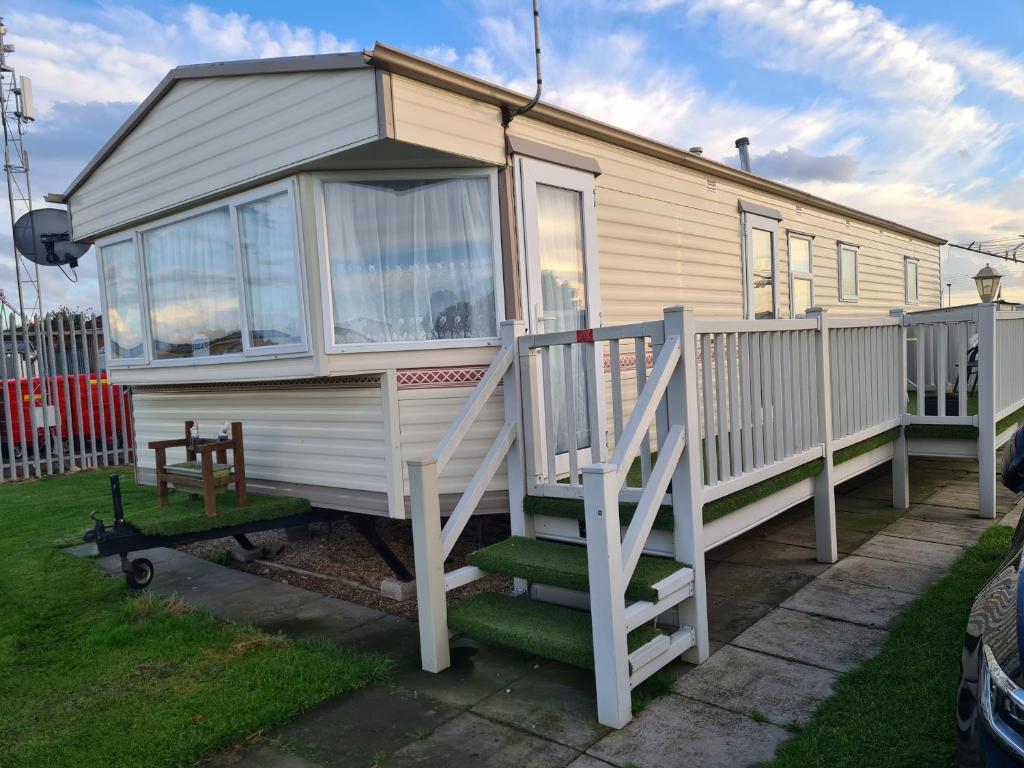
pixel 743 145
pixel 697 150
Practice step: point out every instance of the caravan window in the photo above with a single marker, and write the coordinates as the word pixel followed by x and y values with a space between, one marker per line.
pixel 216 283
pixel 412 260
pixel 192 281
pixel 849 279
pixel 801 274
pixel 910 279
pixel 124 301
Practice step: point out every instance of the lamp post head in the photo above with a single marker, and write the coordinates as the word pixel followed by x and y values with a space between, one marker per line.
pixel 987 281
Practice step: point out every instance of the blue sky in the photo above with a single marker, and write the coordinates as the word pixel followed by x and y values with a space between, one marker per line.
pixel 913 110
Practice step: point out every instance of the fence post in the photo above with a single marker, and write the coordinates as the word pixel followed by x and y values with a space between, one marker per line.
pixel 900 460
pixel 824 488
pixel 431 597
pixel 607 594
pixel 688 479
pixel 986 410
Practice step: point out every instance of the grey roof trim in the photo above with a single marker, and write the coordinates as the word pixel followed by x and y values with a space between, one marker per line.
pixel 318 63
pixel 517 145
pixel 414 67
pixel 746 206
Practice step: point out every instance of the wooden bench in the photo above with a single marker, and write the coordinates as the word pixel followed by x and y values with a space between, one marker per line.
pixel 199 471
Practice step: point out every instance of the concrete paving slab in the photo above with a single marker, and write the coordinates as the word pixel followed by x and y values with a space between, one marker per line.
pixel 910 551
pixel 85 549
pixel 475 673
pixel 856 603
pixel 323 616
pixel 729 615
pixel 676 731
pixel 885 574
pixel 773 555
pixel 826 643
pixel 263 603
pixel 553 701
pixel 391 635
pixel 746 681
pixel 949 515
pixel 586 761
pixel 801 533
pixel 941 533
pixel 469 741
pixel 357 728
pixel 751 582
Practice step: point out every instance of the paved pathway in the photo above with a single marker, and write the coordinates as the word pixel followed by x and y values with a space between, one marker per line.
pixel 784 628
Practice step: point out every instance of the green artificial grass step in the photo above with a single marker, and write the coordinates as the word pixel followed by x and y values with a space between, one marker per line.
pixel 183 515
pixel 565 565
pixel 542 629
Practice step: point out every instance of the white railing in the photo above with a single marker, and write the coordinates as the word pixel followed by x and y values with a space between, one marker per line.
pixel 1009 376
pixel 433 543
pixel 866 374
pixel 58 412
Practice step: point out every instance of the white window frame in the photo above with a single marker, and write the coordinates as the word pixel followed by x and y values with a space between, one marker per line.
pixel 856 270
pixel 808 275
pixel 906 279
pixel 752 221
pixel 249 352
pixel 327 295
pixel 122 362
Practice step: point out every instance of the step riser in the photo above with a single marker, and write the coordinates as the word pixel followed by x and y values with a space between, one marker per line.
pixel 637 613
pixel 680 642
pixel 568 531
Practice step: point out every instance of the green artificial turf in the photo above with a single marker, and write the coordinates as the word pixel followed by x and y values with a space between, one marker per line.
pixel 734 501
pixel 564 565
pixel 542 629
pixel 857 449
pixel 897 710
pixel 573 510
pixel 943 431
pixel 93 676
pixel 183 515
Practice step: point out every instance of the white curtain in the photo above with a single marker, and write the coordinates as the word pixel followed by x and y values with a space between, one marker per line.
pixel 411 260
pixel 273 296
pixel 192 279
pixel 564 297
pixel 124 306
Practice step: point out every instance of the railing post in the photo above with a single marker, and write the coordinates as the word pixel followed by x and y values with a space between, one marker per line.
pixel 900 459
pixel 986 410
pixel 515 461
pixel 607 594
pixel 688 480
pixel 824 488
pixel 428 551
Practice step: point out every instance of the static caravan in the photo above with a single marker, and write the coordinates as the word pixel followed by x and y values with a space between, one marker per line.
pixel 325 247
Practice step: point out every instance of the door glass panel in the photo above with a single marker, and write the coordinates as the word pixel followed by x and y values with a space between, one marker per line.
pixel 563 300
pixel 763 274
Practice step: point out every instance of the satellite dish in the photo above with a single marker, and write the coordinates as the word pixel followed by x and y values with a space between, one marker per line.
pixel 44 236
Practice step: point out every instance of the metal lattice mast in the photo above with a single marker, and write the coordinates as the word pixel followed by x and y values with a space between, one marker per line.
pixel 19 186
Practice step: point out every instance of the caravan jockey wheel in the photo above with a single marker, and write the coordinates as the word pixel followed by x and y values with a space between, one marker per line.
pixel 139 573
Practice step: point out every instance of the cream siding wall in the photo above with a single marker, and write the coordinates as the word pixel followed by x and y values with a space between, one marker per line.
pixel 320 436
pixel 210 134
pixel 426 414
pixel 668 234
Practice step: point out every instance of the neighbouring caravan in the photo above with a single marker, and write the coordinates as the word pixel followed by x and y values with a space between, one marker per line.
pixel 324 247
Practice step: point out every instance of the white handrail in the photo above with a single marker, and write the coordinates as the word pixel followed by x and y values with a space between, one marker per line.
pixel 448 444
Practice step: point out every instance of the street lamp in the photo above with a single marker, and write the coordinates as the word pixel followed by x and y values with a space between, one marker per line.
pixel 987 281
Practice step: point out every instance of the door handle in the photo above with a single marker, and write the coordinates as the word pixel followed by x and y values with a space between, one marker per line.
pixel 537 310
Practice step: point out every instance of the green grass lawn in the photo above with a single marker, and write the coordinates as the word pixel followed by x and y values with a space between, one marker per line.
pixel 898 708
pixel 93 676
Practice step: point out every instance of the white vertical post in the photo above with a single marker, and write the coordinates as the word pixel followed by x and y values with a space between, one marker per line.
pixel 429 559
pixel 900 460
pixel 607 594
pixel 987 410
pixel 688 479
pixel 824 489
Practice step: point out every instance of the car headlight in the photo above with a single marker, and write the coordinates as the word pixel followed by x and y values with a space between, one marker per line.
pixel 1002 703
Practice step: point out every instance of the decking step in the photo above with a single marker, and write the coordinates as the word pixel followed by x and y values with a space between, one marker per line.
pixel 543 629
pixel 573 509
pixel 565 565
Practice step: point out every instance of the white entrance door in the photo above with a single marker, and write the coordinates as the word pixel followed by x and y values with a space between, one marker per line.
pixel 558 249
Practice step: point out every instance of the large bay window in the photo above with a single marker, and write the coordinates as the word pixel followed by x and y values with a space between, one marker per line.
pixel 217 283
pixel 412 259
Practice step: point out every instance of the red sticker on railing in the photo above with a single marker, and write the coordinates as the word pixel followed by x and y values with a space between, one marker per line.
pixel 586 336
